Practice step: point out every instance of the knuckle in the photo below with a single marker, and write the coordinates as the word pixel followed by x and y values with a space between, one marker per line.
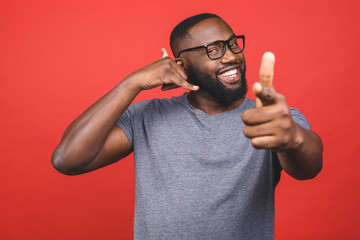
pixel 246 131
pixel 281 97
pixel 283 111
pixel 255 143
pixel 166 62
pixel 165 70
pixel 261 128
pixel 266 76
pixel 169 61
pixel 244 116
pixel 166 59
pixel 162 81
pixel 267 94
pixel 285 126
pixel 181 81
pixel 282 142
pixel 276 144
pixel 168 72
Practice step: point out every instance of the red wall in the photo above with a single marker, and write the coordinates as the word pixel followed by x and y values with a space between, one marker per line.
pixel 58 57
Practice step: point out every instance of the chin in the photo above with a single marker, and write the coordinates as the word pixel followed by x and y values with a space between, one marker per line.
pixel 217 89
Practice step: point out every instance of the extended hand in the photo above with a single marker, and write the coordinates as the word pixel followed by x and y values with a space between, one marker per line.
pixel 269 125
pixel 164 72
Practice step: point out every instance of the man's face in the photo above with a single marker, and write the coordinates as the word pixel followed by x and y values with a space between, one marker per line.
pixel 223 79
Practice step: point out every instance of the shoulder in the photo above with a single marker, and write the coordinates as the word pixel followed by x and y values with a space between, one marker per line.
pixel 299 118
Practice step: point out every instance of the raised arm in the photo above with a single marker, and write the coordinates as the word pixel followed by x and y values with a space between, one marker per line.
pixel 270 126
pixel 93 140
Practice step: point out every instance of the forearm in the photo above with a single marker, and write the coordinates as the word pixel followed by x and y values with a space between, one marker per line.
pixel 304 161
pixel 92 140
pixel 86 135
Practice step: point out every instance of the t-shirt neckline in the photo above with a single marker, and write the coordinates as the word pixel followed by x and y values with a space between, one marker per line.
pixel 186 102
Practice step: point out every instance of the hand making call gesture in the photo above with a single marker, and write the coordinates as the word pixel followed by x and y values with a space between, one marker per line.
pixel 164 72
pixel 269 125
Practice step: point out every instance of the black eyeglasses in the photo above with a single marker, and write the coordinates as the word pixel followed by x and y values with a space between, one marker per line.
pixel 216 50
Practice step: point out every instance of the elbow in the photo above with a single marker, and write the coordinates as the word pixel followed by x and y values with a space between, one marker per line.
pixel 59 162
pixel 317 168
pixel 310 174
pixel 316 171
pixel 308 177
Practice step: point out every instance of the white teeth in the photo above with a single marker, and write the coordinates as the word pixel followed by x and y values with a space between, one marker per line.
pixel 229 73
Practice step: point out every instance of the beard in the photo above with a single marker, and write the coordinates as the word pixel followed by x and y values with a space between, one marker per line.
pixel 215 88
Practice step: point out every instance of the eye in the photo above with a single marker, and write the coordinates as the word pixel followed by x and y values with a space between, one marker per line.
pixel 234 44
pixel 213 50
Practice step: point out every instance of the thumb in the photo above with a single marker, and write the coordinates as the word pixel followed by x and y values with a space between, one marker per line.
pixel 164 53
pixel 267 70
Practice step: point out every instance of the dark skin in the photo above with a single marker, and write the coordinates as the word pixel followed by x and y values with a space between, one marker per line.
pixel 212 29
pixel 93 140
pixel 270 126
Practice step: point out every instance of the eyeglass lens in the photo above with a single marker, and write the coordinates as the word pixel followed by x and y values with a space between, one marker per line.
pixel 215 50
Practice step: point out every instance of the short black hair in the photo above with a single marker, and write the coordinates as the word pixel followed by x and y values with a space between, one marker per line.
pixel 181 30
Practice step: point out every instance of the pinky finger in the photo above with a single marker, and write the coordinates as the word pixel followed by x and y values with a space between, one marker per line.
pixel 189 86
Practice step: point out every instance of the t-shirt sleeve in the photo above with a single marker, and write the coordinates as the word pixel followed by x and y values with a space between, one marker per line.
pixel 299 118
pixel 127 121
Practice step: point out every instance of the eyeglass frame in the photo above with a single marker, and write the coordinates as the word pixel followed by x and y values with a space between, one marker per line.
pixel 226 43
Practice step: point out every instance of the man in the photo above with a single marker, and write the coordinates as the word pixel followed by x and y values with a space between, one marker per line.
pixel 206 162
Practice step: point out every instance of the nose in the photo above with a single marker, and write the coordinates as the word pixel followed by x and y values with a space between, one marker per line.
pixel 229 56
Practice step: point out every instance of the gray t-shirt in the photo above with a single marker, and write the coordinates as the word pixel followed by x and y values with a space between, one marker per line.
pixel 196 175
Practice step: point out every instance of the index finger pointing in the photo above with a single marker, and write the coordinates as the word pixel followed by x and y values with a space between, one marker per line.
pixel 267 70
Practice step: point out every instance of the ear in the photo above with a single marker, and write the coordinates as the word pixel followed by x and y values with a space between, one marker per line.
pixel 181 62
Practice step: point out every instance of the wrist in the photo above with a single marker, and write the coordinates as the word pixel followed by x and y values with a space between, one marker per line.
pixel 297 138
pixel 132 84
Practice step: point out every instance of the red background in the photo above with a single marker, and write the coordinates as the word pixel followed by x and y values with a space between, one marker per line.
pixel 58 57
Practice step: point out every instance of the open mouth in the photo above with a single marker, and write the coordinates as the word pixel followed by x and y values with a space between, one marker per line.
pixel 230 76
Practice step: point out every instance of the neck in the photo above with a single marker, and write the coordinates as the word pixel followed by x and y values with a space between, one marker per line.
pixel 206 103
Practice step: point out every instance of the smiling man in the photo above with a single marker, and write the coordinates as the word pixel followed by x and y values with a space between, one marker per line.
pixel 224 82
pixel 206 162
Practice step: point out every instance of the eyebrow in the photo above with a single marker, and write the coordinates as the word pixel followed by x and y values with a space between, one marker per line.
pixel 205 45
pixel 233 35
